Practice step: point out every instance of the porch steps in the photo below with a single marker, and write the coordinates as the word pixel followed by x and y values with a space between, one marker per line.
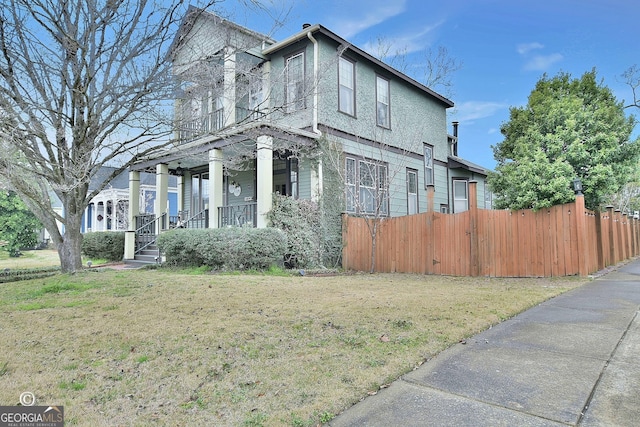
pixel 147 256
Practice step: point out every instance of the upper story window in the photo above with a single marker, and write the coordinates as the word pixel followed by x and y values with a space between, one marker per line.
pixel 428 165
pixel 347 84
pixel 249 96
pixel 295 83
pixel 382 102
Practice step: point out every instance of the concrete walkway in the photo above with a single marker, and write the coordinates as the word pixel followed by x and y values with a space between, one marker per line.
pixel 573 360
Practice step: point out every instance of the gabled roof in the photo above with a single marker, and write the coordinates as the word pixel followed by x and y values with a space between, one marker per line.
pixel 317 28
pixel 456 162
pixel 192 15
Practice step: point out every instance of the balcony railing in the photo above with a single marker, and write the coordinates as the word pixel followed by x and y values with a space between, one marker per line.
pixel 193 128
pixel 238 216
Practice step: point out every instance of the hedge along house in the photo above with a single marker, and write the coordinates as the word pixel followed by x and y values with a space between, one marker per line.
pixel 252 115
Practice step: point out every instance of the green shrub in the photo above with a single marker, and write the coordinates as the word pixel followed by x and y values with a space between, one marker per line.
pixel 224 248
pixel 300 221
pixel 107 245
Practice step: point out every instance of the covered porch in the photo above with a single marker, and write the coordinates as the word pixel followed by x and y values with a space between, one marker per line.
pixel 224 181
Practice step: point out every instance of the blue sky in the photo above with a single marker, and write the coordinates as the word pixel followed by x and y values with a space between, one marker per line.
pixel 505 46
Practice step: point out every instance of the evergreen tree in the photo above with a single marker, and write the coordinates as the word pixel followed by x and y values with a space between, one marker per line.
pixel 570 128
pixel 19 227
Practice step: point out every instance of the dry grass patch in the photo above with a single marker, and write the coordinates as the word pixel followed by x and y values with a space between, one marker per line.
pixel 156 347
pixel 30 259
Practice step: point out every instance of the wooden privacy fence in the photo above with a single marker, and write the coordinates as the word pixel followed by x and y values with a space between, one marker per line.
pixel 562 240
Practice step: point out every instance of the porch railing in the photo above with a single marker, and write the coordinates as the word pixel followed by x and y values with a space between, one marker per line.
pixel 146 226
pixel 238 216
pixel 199 220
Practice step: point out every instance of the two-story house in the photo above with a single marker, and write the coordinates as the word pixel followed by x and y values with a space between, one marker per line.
pixel 252 115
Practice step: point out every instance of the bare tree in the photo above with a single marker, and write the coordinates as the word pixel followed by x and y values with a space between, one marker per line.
pixel 434 67
pixel 632 78
pixel 373 169
pixel 82 84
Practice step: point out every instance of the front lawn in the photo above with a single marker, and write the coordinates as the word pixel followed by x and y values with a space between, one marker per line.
pixel 143 347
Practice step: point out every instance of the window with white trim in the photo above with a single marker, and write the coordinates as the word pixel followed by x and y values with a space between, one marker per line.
pixel 366 187
pixel 347 84
pixel 412 191
pixel 350 184
pixel 382 102
pixel 428 165
pixel 295 83
pixel 460 195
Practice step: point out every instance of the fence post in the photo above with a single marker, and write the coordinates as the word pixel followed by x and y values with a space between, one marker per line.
pixel 345 239
pixel 612 251
pixel 618 236
pixel 431 189
pixel 598 242
pixel 473 228
pixel 581 233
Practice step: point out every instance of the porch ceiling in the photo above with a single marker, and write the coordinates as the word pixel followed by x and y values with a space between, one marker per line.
pixel 190 154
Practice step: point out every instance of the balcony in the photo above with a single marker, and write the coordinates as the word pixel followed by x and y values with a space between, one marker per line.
pixel 194 128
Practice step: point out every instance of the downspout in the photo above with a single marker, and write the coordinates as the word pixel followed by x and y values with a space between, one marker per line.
pixel 315 106
pixel 315 83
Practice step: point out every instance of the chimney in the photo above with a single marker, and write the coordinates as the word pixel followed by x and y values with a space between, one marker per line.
pixel 454 145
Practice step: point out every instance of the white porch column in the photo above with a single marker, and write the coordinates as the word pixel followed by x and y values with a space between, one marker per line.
pixel 94 215
pixel 134 209
pixel 229 95
pixel 264 178
pixel 215 186
pixel 162 194
pixel 180 183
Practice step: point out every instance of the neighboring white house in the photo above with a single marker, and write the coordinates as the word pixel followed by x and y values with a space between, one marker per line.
pixel 109 210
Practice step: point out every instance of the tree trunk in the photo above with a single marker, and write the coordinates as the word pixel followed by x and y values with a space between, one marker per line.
pixel 374 235
pixel 70 250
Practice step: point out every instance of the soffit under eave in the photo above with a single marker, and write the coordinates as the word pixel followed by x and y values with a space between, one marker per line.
pixel 195 151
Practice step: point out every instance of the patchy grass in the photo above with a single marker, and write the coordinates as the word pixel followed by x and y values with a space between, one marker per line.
pixel 142 347
pixel 30 259
pixel 38 258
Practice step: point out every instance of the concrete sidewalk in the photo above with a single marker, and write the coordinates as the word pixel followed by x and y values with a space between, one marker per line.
pixel 573 360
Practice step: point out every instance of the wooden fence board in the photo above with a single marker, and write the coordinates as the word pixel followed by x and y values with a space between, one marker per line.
pixel 494 243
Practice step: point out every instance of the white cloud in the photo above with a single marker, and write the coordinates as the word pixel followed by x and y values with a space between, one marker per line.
pixel 473 110
pixel 407 43
pixel 364 15
pixel 542 62
pixel 525 48
pixel 537 62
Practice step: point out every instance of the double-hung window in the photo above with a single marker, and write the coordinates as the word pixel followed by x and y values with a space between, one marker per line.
pixel 295 83
pixel 412 191
pixel 346 90
pixel 382 102
pixel 428 165
pixel 460 195
pixel 366 187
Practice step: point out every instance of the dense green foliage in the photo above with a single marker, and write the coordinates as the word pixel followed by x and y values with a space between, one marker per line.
pixel 570 128
pixel 299 219
pixel 235 248
pixel 107 245
pixel 19 227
